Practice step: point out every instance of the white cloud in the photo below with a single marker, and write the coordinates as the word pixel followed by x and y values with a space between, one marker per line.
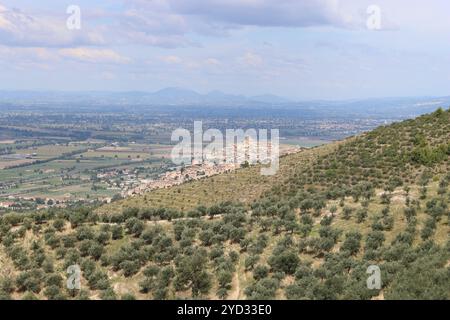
pixel 20 29
pixel 31 54
pixel 171 23
pixel 172 59
pixel 212 62
pixel 251 60
pixel 93 55
pixel 153 23
pixel 288 13
pixel 24 58
pixel 167 23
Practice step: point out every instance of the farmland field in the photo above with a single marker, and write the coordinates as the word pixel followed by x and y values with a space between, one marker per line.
pixel 67 172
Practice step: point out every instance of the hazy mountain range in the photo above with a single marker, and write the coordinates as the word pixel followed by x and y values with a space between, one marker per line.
pixel 167 96
pixel 217 101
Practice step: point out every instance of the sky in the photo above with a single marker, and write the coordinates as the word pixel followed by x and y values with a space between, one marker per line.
pixel 299 49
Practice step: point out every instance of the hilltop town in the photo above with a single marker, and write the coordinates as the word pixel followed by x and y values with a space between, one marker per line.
pixel 196 171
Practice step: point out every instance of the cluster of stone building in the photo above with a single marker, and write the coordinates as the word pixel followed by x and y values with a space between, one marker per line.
pixel 195 171
pixel 179 176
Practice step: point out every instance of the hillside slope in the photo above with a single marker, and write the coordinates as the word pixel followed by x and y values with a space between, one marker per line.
pixel 242 185
pixel 311 232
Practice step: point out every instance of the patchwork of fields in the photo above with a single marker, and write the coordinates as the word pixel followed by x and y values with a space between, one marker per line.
pixel 33 174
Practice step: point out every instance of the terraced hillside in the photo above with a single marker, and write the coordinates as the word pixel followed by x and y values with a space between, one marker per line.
pixel 310 232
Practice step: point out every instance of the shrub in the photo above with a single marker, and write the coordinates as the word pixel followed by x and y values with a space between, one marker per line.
pixel 260 272
pixel 116 232
pixel 285 261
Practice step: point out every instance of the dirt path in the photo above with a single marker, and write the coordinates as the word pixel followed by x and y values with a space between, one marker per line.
pixel 236 291
pixel 239 282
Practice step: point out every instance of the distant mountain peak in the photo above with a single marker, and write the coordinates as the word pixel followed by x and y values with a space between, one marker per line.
pixel 175 95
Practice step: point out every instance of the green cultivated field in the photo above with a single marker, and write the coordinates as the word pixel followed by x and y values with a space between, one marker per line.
pixel 68 173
